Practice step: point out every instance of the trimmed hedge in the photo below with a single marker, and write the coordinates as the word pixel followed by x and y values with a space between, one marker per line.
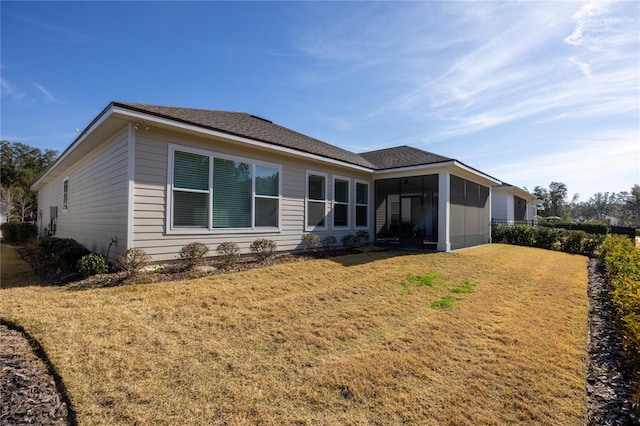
pixel 622 262
pixel 66 251
pixel 574 242
pixel 18 232
pixel 589 228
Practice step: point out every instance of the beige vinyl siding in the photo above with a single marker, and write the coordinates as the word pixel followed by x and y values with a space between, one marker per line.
pixel 151 166
pixel 97 202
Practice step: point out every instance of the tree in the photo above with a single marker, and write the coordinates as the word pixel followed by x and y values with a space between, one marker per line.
pixel 20 167
pixel 558 199
pixel 632 205
pixel 553 202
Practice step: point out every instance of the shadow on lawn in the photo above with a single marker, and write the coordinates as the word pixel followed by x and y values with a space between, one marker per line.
pixel 16 271
pixel 372 255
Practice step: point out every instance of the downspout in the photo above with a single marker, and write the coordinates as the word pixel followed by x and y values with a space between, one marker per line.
pixel 490 211
pixel 444 211
pixel 131 161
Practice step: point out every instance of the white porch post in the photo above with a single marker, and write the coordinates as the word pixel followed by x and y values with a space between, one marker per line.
pixel 444 195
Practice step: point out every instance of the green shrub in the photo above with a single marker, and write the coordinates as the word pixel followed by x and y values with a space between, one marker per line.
pixel 193 254
pixel 132 261
pixel 520 235
pixel 622 263
pixel 546 238
pixel 498 233
pixel 592 244
pixel 65 251
pixel 263 249
pixel 229 253
pixel 589 228
pixel 310 242
pixel 18 232
pixel 92 264
pixel 573 242
pixel 328 243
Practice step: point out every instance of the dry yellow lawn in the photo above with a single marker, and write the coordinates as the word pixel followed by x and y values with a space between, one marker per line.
pixel 326 342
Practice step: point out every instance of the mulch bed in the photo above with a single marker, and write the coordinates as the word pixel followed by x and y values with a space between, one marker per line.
pixel 28 394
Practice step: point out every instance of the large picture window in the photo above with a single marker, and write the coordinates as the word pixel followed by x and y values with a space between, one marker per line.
pixel 215 193
pixel 362 205
pixel 340 202
pixel 316 201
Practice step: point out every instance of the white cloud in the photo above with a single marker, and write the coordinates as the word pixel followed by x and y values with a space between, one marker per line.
pixel 44 91
pixel 608 161
pixel 10 91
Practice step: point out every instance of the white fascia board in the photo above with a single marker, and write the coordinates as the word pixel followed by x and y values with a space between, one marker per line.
pixel 444 164
pixel 104 115
pixel 149 118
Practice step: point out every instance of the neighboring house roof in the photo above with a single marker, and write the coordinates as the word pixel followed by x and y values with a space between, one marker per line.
pixel 515 190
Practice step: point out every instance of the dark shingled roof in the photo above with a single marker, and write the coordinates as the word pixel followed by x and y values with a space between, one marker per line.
pixel 402 156
pixel 252 127
pixel 256 128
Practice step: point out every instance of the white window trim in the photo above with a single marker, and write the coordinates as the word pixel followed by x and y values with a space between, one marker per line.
pixel 170 230
pixel 306 201
pixel 348 203
pixel 65 202
pixel 356 205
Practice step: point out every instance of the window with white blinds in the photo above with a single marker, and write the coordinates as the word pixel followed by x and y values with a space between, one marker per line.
pixel 216 193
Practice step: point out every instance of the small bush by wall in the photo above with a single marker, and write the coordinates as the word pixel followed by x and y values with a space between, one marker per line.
pixel 92 264
pixel 328 243
pixel 229 252
pixel 263 249
pixel 349 241
pixel 310 243
pixel 132 261
pixel 193 254
pixel 66 251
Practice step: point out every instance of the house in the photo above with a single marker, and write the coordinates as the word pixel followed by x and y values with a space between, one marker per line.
pixel 512 205
pixel 158 178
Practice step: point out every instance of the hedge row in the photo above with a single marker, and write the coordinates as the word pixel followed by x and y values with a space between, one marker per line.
pixel 574 242
pixel 18 232
pixel 622 263
pixel 592 228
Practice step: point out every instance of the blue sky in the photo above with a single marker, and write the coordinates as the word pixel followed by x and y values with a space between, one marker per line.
pixel 528 92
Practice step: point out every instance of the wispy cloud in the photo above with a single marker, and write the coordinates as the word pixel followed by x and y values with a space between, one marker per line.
pixel 588 163
pixel 10 91
pixel 47 94
pixel 464 69
pixel 50 32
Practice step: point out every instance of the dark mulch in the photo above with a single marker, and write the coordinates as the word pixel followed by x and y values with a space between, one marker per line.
pixel 28 394
pixel 609 393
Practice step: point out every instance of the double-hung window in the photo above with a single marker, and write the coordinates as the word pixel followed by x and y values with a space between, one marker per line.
pixel 190 190
pixel 267 198
pixel 316 201
pixel 362 205
pixel 340 202
pixel 65 194
pixel 217 193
